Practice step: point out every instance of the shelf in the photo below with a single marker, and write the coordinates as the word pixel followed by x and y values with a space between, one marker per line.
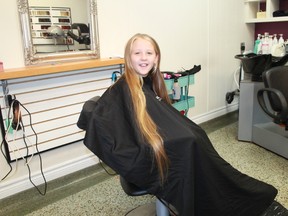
pixel 44 69
pixel 185 103
pixel 267 20
pixel 252 7
pixel 248 1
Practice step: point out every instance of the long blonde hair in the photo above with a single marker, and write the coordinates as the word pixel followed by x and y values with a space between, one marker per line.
pixel 147 126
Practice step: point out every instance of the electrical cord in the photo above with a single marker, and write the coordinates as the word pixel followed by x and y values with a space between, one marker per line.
pixel 114 76
pixel 235 79
pixel 230 95
pixel 186 92
pixel 2 144
pixel 39 155
pixel 8 173
pixel 17 123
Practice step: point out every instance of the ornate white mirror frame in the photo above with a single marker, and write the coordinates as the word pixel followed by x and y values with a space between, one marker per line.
pixel 32 58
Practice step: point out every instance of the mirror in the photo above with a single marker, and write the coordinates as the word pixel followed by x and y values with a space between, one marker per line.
pixel 59 30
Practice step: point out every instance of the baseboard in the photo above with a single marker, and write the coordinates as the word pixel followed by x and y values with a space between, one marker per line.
pixel 21 184
pixel 215 113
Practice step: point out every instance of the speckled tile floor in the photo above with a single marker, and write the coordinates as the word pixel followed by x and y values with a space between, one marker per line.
pixel 93 192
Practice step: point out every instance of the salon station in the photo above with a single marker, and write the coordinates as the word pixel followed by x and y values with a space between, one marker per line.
pixel 56 55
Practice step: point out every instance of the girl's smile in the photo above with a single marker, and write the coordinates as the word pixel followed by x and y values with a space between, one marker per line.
pixel 143 56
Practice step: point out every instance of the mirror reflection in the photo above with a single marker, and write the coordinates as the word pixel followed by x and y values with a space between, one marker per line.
pixel 59 25
pixel 58 29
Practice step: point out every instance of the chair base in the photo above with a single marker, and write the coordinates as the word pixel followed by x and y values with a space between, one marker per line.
pixel 272 137
pixel 144 210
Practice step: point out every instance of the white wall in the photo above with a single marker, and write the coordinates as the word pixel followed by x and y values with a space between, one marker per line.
pixel 189 32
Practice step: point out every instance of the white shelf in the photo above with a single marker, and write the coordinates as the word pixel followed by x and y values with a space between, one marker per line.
pixel 247 1
pixel 253 6
pixel 266 20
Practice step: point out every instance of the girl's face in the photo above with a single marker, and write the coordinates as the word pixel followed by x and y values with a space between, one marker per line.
pixel 143 56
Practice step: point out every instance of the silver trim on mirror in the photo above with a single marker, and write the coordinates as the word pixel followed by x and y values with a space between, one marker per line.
pixel 32 58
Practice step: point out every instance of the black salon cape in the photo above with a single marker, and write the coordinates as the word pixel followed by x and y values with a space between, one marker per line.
pixel 199 182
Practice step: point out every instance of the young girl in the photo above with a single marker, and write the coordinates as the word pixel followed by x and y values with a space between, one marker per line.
pixel 134 129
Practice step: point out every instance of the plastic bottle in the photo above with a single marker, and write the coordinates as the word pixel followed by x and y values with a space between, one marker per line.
pixel 259 49
pixel 286 46
pixel 281 40
pixel 256 45
pixel 275 40
pixel 265 44
pixel 176 91
pixel 279 49
pixel 270 42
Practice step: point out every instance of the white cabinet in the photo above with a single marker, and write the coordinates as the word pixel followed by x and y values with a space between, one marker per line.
pixel 269 6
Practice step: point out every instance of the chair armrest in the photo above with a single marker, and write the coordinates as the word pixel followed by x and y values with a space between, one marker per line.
pixel 85 114
pixel 282 113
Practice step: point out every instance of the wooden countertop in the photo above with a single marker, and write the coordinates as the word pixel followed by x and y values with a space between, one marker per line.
pixel 36 70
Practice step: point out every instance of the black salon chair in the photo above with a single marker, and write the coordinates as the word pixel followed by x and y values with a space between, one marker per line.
pixel 132 190
pixel 273 99
pixel 129 188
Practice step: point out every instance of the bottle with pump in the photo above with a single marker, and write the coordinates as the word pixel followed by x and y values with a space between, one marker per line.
pixel 259 49
pixel 257 43
pixel 265 44
pixel 281 40
pixel 278 50
pixel 275 40
pixel 270 43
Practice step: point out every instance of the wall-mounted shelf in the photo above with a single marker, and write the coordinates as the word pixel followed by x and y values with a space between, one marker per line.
pixel 268 6
pixel 267 20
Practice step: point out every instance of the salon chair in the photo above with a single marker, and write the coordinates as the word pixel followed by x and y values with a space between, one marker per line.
pixel 133 190
pixel 83 36
pixel 276 94
pixel 272 97
pixel 129 188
